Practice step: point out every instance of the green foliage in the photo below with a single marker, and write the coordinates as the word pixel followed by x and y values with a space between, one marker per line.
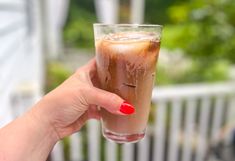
pixel 78 31
pixel 205 32
pixel 155 11
pixel 211 72
pixel 56 74
pixel 66 147
pixel 182 13
pixel 179 36
pixel 163 77
pixel 208 32
pixel 197 72
pixel 124 11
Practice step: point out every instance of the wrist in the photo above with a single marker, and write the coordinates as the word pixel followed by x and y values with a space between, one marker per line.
pixel 39 118
pixel 29 137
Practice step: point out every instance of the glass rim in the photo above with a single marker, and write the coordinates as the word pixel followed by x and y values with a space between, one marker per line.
pixel 126 25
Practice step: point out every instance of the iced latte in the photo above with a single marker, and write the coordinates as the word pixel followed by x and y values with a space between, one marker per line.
pixel 126 63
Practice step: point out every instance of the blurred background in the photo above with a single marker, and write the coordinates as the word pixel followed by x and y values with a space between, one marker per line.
pixel 193 105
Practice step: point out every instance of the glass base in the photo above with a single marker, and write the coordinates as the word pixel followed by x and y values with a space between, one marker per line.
pixel 123 138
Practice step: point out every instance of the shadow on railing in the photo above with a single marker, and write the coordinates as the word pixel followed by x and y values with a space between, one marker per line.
pixel 185 123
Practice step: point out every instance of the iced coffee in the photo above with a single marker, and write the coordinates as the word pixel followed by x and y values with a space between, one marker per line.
pixel 126 64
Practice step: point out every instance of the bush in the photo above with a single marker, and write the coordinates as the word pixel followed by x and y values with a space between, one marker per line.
pixel 205 32
pixel 56 74
pixel 78 31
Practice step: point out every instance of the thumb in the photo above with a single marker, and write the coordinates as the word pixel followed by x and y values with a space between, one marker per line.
pixel 107 100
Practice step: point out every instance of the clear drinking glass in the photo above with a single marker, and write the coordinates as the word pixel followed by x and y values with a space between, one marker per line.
pixel 126 56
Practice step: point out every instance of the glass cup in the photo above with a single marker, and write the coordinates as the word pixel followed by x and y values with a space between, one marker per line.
pixel 126 56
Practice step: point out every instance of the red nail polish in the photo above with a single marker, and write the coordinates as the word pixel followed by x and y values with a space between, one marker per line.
pixel 126 108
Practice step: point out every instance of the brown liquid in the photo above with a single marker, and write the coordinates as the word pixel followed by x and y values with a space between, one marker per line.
pixel 126 66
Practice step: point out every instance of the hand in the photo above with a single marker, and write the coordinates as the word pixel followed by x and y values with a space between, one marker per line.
pixel 70 105
pixel 58 114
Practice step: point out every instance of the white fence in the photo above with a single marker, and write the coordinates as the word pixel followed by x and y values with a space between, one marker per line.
pixel 184 122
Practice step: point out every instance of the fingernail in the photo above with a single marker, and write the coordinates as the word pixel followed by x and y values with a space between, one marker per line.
pixel 126 108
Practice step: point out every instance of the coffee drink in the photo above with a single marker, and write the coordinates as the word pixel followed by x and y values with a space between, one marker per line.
pixel 126 64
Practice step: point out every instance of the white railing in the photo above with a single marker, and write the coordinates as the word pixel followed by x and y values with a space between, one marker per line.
pixel 187 120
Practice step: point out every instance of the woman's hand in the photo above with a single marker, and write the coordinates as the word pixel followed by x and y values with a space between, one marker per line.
pixel 68 107
pixel 58 114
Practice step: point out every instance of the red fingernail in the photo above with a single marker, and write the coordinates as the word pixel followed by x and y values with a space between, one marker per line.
pixel 126 108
